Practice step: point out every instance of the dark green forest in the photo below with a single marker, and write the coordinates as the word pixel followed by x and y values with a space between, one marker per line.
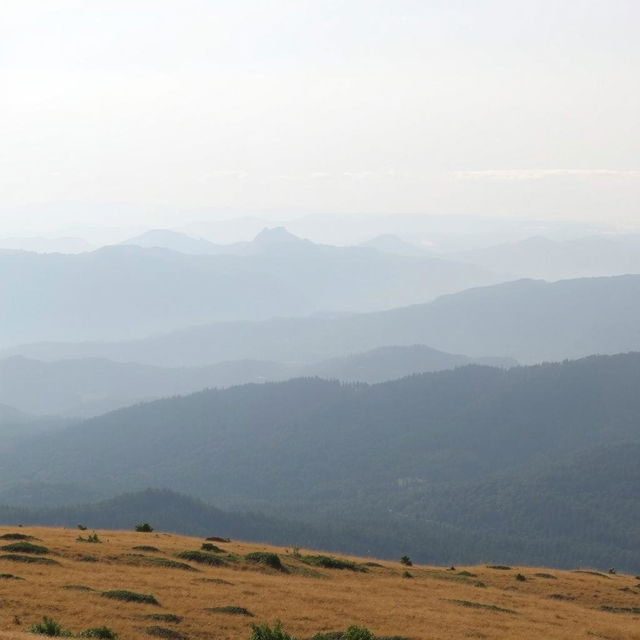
pixel 528 465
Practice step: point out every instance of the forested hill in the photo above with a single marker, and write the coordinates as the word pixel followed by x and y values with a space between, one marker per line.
pixel 417 448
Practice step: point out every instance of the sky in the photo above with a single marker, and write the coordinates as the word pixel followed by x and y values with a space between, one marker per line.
pixel 156 110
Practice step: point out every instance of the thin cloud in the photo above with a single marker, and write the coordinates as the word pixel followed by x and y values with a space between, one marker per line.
pixel 518 175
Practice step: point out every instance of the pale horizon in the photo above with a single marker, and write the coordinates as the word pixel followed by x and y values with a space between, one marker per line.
pixel 517 110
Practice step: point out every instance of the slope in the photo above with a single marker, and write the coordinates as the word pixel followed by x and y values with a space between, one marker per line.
pixel 189 599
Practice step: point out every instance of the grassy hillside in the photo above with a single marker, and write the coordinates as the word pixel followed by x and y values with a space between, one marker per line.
pixel 188 598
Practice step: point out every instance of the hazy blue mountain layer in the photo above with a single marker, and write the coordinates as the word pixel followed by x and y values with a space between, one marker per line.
pixel 91 386
pixel 528 320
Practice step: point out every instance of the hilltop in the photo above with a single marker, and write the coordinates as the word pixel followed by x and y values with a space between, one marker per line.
pixel 221 590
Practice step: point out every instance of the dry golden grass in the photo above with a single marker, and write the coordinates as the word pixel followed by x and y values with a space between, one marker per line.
pixel 306 599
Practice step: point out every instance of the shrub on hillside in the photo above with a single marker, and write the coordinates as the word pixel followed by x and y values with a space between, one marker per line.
pixel 232 610
pixel 265 632
pixel 329 562
pixel 129 596
pixel 164 617
pixel 163 632
pixel 14 557
pixel 358 633
pixel 265 557
pixel 103 633
pixel 406 561
pixel 16 536
pixel 25 547
pixel 92 537
pixel 203 557
pixel 146 547
pixel 144 527
pixel 49 627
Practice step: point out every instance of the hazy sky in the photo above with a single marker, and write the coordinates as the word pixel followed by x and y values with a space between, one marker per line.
pixel 491 107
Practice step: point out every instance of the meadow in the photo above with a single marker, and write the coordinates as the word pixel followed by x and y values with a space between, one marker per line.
pixel 219 591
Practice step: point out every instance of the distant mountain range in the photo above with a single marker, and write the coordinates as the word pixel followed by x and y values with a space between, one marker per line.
pixel 528 320
pixel 539 257
pixel 92 386
pixel 541 461
pixel 46 245
pixel 124 292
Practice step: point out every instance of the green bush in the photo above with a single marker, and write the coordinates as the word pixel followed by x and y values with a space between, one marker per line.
pixel 140 560
pixel 92 537
pixel 207 546
pixel 76 587
pixel 25 547
pixel 9 576
pixel 146 547
pixel 163 632
pixel 203 557
pixel 16 536
pixel 231 609
pixel 265 632
pixel 104 633
pixel 358 633
pixel 520 577
pixel 144 527
pixel 164 617
pixel 129 596
pixel 49 627
pixel 406 574
pixel 406 560
pixel 27 559
pixel 264 557
pixel 329 562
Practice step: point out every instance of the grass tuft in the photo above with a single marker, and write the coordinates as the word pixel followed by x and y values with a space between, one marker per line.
pixel 480 605
pixel 232 610
pixel 329 562
pixel 265 632
pixel 14 557
pixel 76 587
pixel 129 596
pixel 266 558
pixel 203 557
pixel 164 617
pixel 151 561
pixel 49 627
pixel 163 632
pixel 25 547
pixel 16 536
pixel 104 633
pixel 632 610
